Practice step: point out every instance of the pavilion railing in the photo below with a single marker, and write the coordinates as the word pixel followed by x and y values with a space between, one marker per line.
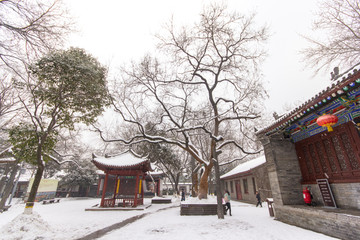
pixel 122 201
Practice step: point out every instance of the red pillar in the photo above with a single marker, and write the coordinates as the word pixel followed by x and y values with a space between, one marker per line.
pixel 158 187
pixel 99 185
pixel 104 190
pixel 136 189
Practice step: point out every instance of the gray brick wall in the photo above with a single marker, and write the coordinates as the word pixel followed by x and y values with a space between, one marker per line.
pixel 347 195
pixel 285 180
pixel 335 224
pixel 284 170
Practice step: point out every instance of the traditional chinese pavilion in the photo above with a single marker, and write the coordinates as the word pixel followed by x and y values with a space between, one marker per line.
pixel 128 171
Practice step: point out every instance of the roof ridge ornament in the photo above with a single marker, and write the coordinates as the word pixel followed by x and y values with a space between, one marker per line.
pixel 335 74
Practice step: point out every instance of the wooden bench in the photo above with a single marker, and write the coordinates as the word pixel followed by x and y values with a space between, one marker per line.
pixel 161 200
pixel 51 201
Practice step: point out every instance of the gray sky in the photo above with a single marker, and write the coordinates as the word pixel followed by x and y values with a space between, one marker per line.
pixel 119 31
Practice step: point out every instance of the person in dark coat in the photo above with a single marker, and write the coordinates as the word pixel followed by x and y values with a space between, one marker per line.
pixel 258 199
pixel 182 195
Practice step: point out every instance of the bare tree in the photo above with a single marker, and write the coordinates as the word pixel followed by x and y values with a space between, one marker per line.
pixel 210 78
pixel 172 162
pixel 28 29
pixel 340 21
pixel 9 104
pixel 9 185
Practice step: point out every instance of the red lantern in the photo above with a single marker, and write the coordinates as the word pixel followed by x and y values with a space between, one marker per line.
pixel 327 121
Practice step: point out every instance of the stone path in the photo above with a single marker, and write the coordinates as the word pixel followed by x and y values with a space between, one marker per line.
pixel 116 226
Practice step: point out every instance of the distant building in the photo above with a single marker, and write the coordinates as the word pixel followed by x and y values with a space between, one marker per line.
pixel 244 180
pixel 169 190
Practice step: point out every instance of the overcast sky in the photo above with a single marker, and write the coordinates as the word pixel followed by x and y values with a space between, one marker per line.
pixel 117 31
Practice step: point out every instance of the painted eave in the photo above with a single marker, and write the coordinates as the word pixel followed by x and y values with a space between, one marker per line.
pixel 324 97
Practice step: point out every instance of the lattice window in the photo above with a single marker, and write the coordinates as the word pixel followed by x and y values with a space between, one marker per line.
pixel 321 156
pixel 350 152
pixel 307 160
pixel 330 157
pixel 339 152
pixel 333 155
pixel 314 158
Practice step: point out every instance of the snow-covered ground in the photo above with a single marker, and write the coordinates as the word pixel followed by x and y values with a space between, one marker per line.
pixel 69 220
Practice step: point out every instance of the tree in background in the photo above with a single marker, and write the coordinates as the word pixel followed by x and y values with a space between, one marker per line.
pixel 9 107
pixel 82 174
pixel 339 21
pixel 65 87
pixel 208 81
pixel 172 163
pixel 29 29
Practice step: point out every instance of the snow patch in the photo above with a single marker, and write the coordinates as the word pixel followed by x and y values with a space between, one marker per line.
pixel 157 197
pixel 195 200
pixel 26 226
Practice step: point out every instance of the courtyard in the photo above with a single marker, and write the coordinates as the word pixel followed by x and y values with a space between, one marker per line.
pixel 69 220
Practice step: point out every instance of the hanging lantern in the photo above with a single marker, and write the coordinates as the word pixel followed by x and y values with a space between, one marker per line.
pixel 327 121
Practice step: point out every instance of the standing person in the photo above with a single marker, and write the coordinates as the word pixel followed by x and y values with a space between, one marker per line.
pixel 227 202
pixel 258 199
pixel 182 195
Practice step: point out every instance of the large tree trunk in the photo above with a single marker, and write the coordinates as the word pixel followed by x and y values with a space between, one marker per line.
pixel 3 179
pixel 9 185
pixel 195 183
pixel 39 173
pixel 220 209
pixel 204 183
pixel 194 178
pixel 177 180
pixel 32 196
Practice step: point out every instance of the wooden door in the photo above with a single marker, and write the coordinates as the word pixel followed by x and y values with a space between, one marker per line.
pixel 238 190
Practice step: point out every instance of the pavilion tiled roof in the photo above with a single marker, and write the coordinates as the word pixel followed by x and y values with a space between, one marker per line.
pixel 125 160
pixel 343 85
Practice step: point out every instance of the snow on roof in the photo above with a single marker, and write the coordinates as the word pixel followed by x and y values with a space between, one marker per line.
pixel 7 160
pixel 26 175
pixel 246 166
pixel 126 159
pixel 154 173
pixel 60 174
pixel 9 149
